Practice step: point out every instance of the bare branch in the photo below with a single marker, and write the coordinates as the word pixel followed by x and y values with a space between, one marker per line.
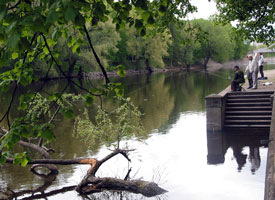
pixel 95 184
pixel 9 107
pixel 81 161
pixel 96 56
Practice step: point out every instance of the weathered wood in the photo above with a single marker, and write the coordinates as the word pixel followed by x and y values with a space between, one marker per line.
pixel 83 161
pixel 94 185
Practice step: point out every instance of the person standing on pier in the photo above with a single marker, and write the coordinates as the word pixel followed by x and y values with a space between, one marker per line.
pixel 261 61
pixel 252 71
pixel 238 78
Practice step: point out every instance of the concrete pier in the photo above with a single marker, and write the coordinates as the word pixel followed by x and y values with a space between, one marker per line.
pixel 216 122
pixel 214 112
pixel 270 173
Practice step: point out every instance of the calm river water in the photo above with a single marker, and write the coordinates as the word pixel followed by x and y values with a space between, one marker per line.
pixel 176 152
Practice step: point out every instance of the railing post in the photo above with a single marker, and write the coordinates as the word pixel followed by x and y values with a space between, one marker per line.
pixel 214 112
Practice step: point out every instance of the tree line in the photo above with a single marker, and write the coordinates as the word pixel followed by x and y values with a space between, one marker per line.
pixel 178 45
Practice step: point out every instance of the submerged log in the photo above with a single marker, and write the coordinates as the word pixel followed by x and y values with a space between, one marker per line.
pixel 95 184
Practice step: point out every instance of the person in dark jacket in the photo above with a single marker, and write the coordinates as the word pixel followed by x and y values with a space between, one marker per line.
pixel 238 78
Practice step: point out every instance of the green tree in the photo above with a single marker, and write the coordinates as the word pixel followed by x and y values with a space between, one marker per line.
pixel 105 40
pixel 215 42
pixel 241 48
pixel 149 50
pixel 184 42
pixel 254 19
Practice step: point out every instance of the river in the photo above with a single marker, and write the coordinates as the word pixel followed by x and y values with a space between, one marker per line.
pixel 175 152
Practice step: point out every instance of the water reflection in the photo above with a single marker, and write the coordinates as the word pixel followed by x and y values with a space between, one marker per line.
pixel 219 142
pixel 175 144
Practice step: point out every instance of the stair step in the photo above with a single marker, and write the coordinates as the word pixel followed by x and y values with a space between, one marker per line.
pixel 259 108
pixel 248 109
pixel 250 93
pixel 247 122
pixel 247 112
pixel 248 117
pixel 248 100
pixel 249 96
pixel 247 126
pixel 249 104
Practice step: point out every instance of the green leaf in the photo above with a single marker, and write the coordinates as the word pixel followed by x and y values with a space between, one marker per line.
pixel 55 96
pixel 89 100
pixel 57 34
pixel 46 50
pixel 119 90
pixel 68 113
pixel 36 132
pixel 21 159
pixel 52 17
pixel 2 159
pixel 75 48
pixel 14 55
pixel 13 41
pixel 79 20
pixel 13 140
pixel 22 106
pixel 47 134
pixel 25 132
pixel 24 162
pixel 3 12
pixel 121 70
pixel 145 15
pixel 70 14
pixel 23 81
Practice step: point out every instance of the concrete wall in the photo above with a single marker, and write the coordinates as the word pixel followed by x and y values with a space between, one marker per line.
pixel 215 107
pixel 270 175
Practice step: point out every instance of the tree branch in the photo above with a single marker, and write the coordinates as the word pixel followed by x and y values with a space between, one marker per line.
pixel 9 107
pixel 96 57
pixel 81 161
pixel 95 184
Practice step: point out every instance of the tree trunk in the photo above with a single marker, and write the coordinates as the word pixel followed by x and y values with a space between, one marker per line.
pixel 148 68
pixel 94 185
pixel 206 62
pixel 72 63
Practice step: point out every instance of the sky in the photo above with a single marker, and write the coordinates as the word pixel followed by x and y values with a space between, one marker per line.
pixel 205 9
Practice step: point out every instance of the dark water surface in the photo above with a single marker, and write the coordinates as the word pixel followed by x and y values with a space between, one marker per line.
pixel 176 152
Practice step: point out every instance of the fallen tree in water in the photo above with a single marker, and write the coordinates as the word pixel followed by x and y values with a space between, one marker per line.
pixel 84 128
pixel 90 183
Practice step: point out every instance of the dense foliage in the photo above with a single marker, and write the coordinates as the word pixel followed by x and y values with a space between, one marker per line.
pixel 254 19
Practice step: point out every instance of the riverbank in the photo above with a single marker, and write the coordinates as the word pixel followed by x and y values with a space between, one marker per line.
pixel 211 67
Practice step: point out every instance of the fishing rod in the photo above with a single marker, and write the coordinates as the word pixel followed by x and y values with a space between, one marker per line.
pixel 228 78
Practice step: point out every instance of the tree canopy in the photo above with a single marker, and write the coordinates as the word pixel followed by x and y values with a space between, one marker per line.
pixel 254 19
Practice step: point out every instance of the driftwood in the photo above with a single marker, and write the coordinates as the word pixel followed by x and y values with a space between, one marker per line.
pixel 90 183
pixel 94 185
